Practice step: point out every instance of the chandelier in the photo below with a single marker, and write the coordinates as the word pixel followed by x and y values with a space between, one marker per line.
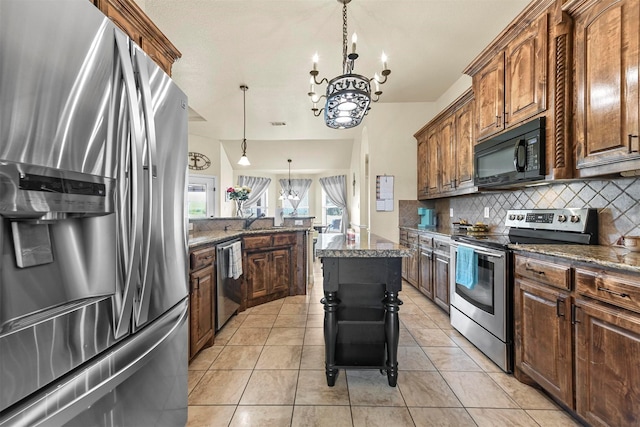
pixel 348 96
pixel 244 160
pixel 289 194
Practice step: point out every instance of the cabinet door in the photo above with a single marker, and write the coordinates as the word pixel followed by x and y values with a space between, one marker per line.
pixel 543 337
pixel 607 364
pixel 258 276
pixel 413 267
pixel 422 168
pixel 607 44
pixel 441 281
pixel 432 162
pixel 201 309
pixel 488 87
pixel 526 73
pixel 446 155
pixel 425 281
pixel 464 142
pixel 280 270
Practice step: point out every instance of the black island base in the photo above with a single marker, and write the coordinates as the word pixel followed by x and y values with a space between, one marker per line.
pixel 361 322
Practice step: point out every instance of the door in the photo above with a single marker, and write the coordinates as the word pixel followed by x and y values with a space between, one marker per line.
pixel 607 377
pixel 281 270
pixel 425 281
pixel 525 73
pixel 607 52
pixel 201 309
pixel 488 87
pixel 201 196
pixel 543 337
pixel 465 141
pixel 164 255
pixel 441 281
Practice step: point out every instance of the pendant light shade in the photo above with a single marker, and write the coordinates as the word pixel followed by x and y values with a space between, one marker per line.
pixel 244 160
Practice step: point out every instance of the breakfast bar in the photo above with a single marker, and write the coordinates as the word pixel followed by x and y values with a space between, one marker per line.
pixel 361 282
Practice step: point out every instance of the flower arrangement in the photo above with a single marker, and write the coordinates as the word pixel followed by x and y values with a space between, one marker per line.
pixel 238 193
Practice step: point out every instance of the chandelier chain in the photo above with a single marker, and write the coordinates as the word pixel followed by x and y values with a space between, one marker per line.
pixel 344 37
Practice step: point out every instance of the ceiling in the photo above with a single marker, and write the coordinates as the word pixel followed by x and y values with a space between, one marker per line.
pixel 268 45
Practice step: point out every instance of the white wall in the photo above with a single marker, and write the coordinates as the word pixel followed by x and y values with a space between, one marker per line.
pixel 392 151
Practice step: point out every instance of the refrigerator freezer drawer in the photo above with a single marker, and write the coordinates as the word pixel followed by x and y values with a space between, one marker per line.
pixel 123 384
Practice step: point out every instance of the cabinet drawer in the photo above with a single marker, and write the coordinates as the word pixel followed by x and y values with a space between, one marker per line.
pixel 284 239
pixel 619 289
pixel 412 238
pixel 552 274
pixel 441 246
pixel 203 257
pixel 257 242
pixel 425 241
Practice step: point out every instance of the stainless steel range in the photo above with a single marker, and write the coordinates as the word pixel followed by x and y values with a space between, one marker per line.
pixel 481 293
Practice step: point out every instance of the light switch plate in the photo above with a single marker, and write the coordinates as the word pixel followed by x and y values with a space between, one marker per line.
pixel 451 212
pixel 486 211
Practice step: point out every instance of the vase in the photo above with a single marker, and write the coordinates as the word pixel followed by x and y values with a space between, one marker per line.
pixel 239 208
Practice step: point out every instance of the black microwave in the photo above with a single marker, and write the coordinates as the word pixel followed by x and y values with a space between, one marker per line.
pixel 515 156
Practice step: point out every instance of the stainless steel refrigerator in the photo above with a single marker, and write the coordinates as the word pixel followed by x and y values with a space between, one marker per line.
pixel 93 233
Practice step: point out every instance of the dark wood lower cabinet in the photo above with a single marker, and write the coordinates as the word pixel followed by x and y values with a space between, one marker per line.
pixel 268 275
pixel 607 368
pixel 543 337
pixel 441 281
pixel 201 309
pixel 426 272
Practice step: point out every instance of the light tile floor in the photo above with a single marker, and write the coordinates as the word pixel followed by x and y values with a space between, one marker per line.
pixel 267 369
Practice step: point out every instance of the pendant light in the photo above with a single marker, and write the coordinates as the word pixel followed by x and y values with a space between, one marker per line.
pixel 288 193
pixel 244 160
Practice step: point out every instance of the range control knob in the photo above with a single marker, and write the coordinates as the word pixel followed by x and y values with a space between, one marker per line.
pixel 520 217
pixel 562 218
pixel 575 218
pixel 512 217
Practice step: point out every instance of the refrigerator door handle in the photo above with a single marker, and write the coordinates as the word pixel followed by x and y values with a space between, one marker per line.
pixel 129 196
pixel 142 306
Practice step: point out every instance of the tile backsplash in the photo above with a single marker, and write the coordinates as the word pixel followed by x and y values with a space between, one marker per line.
pixel 617 201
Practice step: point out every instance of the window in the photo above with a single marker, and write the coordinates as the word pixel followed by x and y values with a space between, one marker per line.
pixel 303 207
pixel 201 197
pixel 260 207
pixel 331 214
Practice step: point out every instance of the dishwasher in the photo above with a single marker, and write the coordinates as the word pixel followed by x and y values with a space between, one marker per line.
pixel 228 289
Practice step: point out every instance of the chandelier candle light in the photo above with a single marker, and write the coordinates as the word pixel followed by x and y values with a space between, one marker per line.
pixel 348 96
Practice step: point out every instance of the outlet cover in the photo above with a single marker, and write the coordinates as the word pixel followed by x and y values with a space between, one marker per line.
pixel 486 212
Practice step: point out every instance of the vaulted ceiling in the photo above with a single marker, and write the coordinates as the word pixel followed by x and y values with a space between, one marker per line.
pixel 268 45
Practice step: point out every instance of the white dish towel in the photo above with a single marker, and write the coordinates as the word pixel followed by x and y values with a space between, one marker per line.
pixel 235 260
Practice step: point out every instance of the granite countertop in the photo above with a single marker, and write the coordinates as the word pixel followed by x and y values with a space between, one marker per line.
pixel 216 236
pixel 332 245
pixel 607 256
pixel 443 230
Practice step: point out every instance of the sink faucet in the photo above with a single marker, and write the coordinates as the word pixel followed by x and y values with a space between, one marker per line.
pixel 249 221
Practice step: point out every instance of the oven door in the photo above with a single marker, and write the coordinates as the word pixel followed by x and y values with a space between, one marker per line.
pixel 486 301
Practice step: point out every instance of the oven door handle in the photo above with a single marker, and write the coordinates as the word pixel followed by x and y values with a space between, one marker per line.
pixel 480 251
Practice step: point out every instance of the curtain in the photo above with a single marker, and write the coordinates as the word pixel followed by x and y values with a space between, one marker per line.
pixel 336 189
pixel 258 186
pixel 299 186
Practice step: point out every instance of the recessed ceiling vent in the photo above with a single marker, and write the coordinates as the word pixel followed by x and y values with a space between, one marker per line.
pixel 278 124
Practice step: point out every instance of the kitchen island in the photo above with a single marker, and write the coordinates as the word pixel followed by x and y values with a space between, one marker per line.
pixel 361 282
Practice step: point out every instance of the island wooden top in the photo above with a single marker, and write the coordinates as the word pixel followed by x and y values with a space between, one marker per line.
pixel 334 245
